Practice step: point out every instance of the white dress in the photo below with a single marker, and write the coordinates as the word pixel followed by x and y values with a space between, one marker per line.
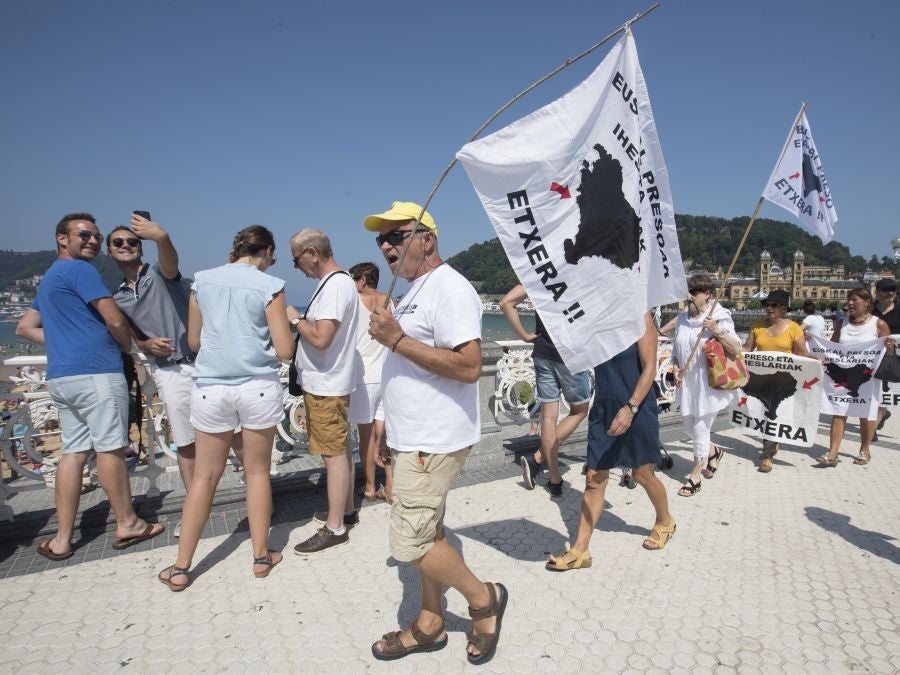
pixel 695 396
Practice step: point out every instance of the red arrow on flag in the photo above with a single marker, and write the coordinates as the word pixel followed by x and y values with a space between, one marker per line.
pixel 796 175
pixel 808 385
pixel 563 190
pixel 743 401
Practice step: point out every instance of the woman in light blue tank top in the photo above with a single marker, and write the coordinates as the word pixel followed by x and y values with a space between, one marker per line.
pixel 239 328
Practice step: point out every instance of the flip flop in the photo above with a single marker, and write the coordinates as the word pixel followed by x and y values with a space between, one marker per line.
pixel 44 549
pixel 148 533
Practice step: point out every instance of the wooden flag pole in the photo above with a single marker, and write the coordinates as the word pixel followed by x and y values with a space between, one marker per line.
pixel 625 26
pixel 740 247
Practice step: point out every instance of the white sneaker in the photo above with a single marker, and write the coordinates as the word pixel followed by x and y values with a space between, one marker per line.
pixel 177 531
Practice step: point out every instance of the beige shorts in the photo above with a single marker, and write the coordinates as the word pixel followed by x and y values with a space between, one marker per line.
pixel 421 484
pixel 326 424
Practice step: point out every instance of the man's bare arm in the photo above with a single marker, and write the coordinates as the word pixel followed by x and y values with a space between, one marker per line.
pixel 462 363
pixel 115 321
pixel 30 326
pixel 165 250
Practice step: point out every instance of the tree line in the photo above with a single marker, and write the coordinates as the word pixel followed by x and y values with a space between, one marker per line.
pixel 707 242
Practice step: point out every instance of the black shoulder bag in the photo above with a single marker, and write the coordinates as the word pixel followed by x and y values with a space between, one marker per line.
pixel 294 386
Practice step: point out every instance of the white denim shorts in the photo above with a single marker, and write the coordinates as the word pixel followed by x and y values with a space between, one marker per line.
pixel 366 404
pixel 256 404
pixel 93 411
pixel 174 385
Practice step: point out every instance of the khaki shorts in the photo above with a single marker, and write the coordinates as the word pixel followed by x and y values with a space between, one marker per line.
pixel 326 424
pixel 421 484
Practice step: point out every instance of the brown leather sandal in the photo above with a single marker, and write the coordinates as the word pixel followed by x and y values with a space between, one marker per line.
pixel 395 649
pixel 486 643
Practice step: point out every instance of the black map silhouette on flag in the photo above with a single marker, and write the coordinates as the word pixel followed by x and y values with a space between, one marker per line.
pixel 811 181
pixel 609 227
pixel 851 378
pixel 771 390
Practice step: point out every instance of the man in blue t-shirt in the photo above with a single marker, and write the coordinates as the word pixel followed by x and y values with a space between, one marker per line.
pixel 84 333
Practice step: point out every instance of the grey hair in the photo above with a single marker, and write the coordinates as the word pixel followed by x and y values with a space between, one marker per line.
pixel 315 239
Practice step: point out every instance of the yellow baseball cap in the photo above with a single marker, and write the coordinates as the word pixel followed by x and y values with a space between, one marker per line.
pixel 400 212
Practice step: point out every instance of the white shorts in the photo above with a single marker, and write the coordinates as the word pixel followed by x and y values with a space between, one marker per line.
pixel 257 404
pixel 174 385
pixel 365 404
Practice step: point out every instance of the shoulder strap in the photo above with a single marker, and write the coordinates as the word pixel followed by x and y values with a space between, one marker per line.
pixel 311 300
pixel 321 286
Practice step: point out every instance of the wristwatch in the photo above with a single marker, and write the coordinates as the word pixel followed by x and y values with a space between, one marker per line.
pixel 294 323
pixel 633 408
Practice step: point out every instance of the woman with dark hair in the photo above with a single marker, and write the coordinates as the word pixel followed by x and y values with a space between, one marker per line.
pixel 366 410
pixel 859 326
pixel 699 402
pixel 776 333
pixel 238 324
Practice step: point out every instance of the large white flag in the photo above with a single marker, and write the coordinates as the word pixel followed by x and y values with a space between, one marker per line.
pixel 798 184
pixel 578 193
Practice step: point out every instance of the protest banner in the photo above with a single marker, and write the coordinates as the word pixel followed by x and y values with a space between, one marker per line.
pixel 579 195
pixel 850 390
pixel 781 401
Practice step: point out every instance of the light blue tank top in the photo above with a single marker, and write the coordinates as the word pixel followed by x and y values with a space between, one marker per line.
pixel 235 343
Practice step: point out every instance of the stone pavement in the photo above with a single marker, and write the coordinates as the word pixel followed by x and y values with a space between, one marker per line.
pixel 795 571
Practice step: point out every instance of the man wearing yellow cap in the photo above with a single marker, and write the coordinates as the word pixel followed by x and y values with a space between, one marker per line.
pixel 430 381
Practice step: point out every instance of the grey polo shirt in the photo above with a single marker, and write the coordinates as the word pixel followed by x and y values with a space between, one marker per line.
pixel 158 307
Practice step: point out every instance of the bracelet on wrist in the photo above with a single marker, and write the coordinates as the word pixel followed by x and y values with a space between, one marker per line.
pixel 394 348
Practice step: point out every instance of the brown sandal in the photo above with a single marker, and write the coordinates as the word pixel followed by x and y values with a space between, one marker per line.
pixel 395 649
pixel 486 643
pixel 173 571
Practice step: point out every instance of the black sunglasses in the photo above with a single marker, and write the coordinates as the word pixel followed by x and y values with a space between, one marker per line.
pixel 395 237
pixel 86 236
pixel 131 241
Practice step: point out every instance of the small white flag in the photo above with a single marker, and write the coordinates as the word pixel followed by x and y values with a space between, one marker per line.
pixel 798 184
pixel 579 195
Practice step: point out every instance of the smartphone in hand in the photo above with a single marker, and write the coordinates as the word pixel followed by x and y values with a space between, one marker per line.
pixel 143 214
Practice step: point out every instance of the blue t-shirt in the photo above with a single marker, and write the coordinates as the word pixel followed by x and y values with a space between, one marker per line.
pixel 75 334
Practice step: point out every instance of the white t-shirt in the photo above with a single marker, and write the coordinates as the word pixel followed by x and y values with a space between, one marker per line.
pixel 814 324
pixel 332 371
pixel 425 412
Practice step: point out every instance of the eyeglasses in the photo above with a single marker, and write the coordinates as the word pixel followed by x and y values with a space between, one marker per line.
pixel 274 260
pixel 86 236
pixel 694 291
pixel 395 237
pixel 887 290
pixel 119 242
pixel 299 257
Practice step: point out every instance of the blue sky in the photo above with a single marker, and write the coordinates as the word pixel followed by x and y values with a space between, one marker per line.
pixel 216 115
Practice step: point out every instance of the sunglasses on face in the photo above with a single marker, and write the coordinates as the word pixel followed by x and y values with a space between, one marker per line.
pixel 888 290
pixel 118 242
pixel 86 236
pixel 395 237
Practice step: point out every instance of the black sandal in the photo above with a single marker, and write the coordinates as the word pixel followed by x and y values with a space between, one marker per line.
pixel 710 470
pixel 690 488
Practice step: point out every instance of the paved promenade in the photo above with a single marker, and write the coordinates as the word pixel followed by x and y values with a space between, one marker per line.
pixel 796 571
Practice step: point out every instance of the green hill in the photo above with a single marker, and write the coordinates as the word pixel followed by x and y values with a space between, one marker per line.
pixel 15 265
pixel 706 243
